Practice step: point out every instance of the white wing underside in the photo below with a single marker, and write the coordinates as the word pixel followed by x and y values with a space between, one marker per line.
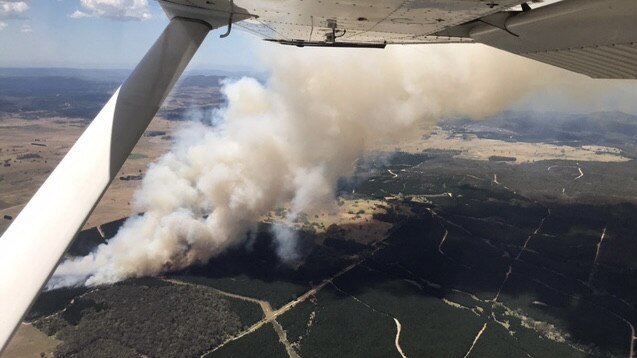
pixel 593 37
pixel 365 21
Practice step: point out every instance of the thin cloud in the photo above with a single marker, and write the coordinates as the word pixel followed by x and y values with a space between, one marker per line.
pixel 10 9
pixel 2 25
pixel 124 10
pixel 79 15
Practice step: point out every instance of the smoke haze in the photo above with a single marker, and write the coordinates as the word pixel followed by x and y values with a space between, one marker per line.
pixel 287 142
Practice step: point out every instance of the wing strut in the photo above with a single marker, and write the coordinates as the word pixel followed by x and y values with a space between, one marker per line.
pixel 33 245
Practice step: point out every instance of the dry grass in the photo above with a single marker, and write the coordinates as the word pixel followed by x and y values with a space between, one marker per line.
pixel 354 216
pixel 474 148
pixel 51 138
pixel 30 342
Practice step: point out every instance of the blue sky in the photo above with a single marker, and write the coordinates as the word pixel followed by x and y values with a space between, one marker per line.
pixel 93 34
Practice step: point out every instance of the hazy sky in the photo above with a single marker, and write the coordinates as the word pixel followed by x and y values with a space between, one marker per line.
pixel 117 33
pixel 101 34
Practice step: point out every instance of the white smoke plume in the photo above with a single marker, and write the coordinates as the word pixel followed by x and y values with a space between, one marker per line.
pixel 286 143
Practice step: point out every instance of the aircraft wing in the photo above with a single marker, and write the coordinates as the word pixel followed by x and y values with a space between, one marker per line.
pixel 593 37
pixel 360 23
pixel 597 38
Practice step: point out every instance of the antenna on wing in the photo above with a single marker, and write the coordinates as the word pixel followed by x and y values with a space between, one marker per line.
pixel 227 33
pixel 331 37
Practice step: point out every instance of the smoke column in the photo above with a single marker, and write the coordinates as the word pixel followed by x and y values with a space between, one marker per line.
pixel 286 143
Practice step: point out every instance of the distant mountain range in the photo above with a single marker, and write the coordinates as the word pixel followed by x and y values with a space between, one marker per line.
pixel 110 75
pixel 72 93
